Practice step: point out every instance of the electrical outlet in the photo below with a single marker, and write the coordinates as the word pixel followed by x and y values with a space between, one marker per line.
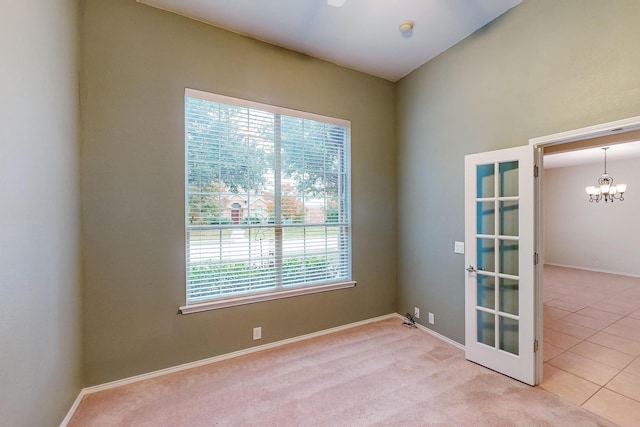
pixel 458 247
pixel 416 312
pixel 257 333
pixel 432 319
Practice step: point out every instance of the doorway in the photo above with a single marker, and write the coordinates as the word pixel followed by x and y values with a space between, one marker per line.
pixel 591 350
pixel 490 326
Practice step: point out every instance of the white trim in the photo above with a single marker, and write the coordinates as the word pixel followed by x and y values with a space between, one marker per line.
pixel 618 126
pixel 253 298
pixel 591 269
pixel 73 408
pixel 434 333
pixel 238 102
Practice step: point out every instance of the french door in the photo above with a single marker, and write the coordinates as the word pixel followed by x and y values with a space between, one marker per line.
pixel 500 258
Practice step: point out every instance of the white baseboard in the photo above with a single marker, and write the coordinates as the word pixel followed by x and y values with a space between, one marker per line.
pixel 191 365
pixel 435 334
pixel 592 269
pixel 73 409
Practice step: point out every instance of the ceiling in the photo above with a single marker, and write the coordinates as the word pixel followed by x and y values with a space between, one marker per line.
pixel 362 34
pixel 592 155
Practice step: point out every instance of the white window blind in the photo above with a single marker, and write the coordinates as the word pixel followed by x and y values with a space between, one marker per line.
pixel 267 198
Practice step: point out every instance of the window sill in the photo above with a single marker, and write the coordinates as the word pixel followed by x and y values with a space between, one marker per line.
pixel 250 299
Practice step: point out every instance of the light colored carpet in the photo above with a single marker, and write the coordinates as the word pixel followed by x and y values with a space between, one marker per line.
pixel 379 374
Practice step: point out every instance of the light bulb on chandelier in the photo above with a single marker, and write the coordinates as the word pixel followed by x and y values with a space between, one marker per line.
pixel 605 188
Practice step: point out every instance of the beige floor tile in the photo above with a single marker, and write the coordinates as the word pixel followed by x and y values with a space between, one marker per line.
pixel 635 314
pixel 586 321
pixel 626 328
pixel 606 355
pixel 634 367
pixel 554 313
pixel 568 304
pixel 572 329
pixel 582 367
pixel 632 293
pixel 617 343
pixel 549 351
pixel 566 385
pixel 634 288
pixel 559 339
pixel 600 314
pixel 629 296
pixel 548 296
pixel 615 307
pixel 626 384
pixel 615 407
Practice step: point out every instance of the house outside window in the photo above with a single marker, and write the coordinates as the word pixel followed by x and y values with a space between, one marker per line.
pixel 267 201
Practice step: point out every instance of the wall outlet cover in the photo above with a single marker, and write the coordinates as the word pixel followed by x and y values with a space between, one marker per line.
pixel 458 247
pixel 257 333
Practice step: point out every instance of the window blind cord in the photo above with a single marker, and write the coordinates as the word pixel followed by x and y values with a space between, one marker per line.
pixel 409 321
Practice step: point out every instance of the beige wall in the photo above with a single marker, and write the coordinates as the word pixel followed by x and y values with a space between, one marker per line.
pixel 137 60
pixel 595 236
pixel 40 293
pixel 545 66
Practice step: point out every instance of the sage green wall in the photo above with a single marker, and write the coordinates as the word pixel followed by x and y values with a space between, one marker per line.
pixel 136 62
pixel 40 290
pixel 545 66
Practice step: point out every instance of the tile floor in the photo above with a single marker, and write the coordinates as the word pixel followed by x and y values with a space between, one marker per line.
pixel 591 346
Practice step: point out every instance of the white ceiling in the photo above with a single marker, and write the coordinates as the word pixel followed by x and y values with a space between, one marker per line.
pixel 592 155
pixel 362 35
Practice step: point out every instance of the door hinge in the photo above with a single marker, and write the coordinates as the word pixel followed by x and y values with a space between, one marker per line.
pixel 535 346
pixel 535 258
pixel 535 171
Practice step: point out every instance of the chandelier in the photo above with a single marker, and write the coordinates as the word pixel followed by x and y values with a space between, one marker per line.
pixel 605 188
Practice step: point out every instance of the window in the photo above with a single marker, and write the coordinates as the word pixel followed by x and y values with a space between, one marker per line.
pixel 267 202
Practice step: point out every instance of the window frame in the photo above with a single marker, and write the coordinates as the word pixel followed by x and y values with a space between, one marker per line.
pixel 235 299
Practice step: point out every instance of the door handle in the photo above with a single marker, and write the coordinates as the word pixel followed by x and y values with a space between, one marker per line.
pixel 471 269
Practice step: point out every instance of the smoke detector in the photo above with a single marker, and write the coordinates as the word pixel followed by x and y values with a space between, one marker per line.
pixel 406 27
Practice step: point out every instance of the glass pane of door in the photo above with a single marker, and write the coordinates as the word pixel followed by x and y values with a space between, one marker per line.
pixel 486 291
pixel 487 328
pixel 486 254
pixel 508 179
pixel 509 337
pixel 509 218
pixel 509 295
pixel 486 218
pixel 495 249
pixel 509 257
pixel 486 176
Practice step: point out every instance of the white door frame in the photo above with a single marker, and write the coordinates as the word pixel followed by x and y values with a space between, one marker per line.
pixel 610 128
